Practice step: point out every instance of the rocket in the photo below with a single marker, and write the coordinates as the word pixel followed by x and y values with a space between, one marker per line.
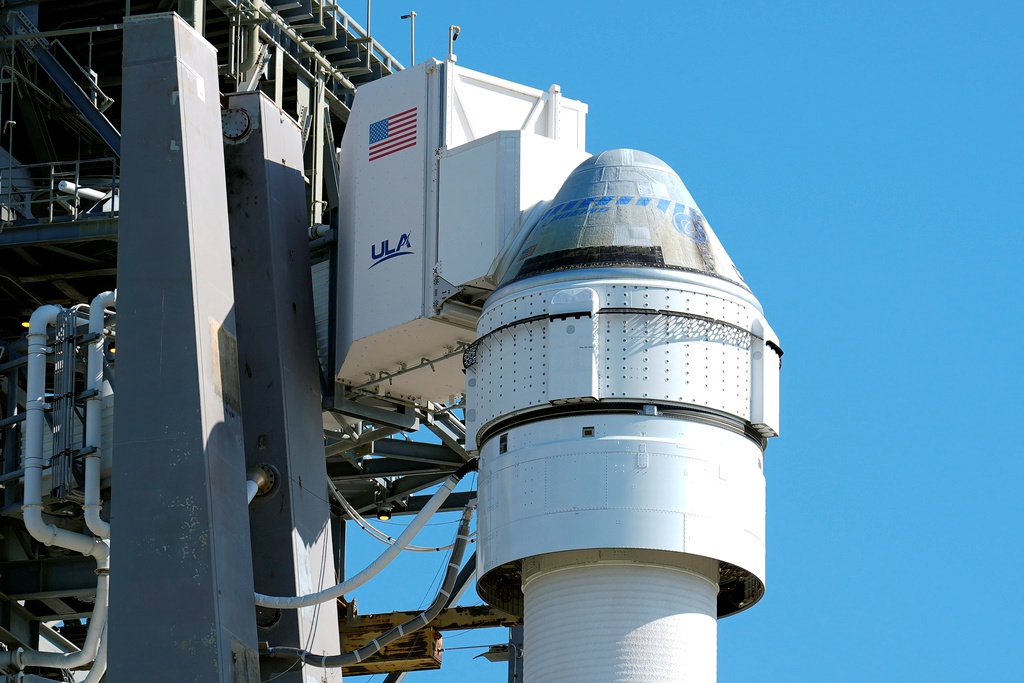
pixel 621 391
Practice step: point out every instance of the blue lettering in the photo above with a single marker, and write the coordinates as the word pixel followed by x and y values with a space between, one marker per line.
pixel 386 253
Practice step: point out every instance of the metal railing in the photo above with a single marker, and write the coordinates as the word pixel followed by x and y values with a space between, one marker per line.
pixel 59 191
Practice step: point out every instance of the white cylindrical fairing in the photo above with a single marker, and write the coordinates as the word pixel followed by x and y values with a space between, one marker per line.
pixel 619 622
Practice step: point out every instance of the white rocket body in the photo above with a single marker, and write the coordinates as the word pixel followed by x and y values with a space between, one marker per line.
pixel 621 391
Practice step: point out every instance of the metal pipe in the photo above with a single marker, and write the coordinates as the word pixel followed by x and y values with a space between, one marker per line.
pixel 412 36
pixel 385 558
pixel 68 187
pixel 95 363
pixel 32 508
pixel 411 626
pixel 453 35
pixel 251 49
pixel 99 666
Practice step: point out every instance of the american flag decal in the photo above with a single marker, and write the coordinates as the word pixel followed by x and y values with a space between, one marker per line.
pixel 393 134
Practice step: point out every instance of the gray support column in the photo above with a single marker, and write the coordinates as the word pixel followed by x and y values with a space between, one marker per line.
pixel 280 378
pixel 515 654
pixel 181 606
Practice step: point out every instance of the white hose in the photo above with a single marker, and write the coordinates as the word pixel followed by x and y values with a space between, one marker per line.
pixel 376 533
pixel 375 567
pixel 94 415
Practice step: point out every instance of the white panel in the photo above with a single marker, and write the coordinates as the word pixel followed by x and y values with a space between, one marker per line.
pixel 572 371
pixel 545 164
pixel 484 186
pixel 481 104
pixel 772 366
pixel 701 357
pixel 397 352
pixel 475 205
pixel 575 481
pixel 639 482
pixel 765 363
pixel 572 123
pixel 383 208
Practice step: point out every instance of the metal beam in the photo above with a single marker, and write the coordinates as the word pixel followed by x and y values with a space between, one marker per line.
pixel 451 431
pixel 417 451
pixel 400 418
pixel 383 467
pixel 454 503
pixel 18 627
pixel 63 80
pixel 46 578
pixel 449 619
pixel 413 504
pixel 417 482
pixel 59 231
pixel 97 272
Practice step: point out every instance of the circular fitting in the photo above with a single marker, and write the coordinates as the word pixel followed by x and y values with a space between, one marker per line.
pixel 235 123
pixel 267 616
pixel 265 477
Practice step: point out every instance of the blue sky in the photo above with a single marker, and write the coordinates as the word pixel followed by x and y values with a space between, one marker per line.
pixel 861 162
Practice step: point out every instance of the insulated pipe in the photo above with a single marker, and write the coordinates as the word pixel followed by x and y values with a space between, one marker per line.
pixel 35 403
pixel 99 667
pixel 375 567
pixel 251 489
pixel 411 626
pixel 94 415
pixel 32 508
pixel 69 187
pixel 252 49
pixel 467 575
pixel 22 658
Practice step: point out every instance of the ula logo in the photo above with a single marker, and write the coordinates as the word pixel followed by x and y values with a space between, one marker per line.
pixel 386 252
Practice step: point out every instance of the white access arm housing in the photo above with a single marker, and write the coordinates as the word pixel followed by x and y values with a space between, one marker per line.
pixel 438 165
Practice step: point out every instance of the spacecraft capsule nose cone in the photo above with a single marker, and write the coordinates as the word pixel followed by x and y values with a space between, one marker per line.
pixel 622 208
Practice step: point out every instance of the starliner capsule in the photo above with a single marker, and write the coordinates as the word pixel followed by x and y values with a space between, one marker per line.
pixel 621 391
